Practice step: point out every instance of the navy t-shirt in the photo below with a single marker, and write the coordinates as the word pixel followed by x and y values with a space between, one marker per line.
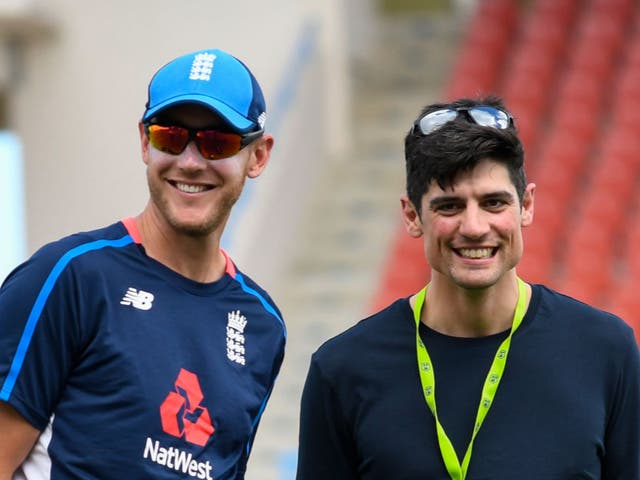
pixel 130 369
pixel 567 407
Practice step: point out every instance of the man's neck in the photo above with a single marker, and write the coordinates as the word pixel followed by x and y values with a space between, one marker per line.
pixel 196 257
pixel 460 312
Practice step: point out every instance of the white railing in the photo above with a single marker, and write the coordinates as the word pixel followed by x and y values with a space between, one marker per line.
pixel 12 240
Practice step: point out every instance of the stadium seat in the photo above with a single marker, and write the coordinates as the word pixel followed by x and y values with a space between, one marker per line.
pixel 593 59
pixel 621 144
pixel 561 11
pixel 576 119
pixel 587 275
pixel 549 211
pixel 602 30
pixel 616 10
pixel 500 11
pixel 561 151
pixel 544 36
pixel 577 88
pixel 604 208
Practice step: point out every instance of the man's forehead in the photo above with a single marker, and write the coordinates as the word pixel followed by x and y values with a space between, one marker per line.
pixel 487 176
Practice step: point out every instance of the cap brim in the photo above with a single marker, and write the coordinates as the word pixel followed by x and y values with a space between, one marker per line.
pixel 227 113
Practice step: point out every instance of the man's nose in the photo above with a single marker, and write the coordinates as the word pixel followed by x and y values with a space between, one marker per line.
pixel 191 158
pixel 474 222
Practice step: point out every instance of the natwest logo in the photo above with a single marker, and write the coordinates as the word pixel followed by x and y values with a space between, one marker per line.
pixel 181 413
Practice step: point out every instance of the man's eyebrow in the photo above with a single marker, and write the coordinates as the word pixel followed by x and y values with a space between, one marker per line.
pixel 505 194
pixel 444 199
pixel 436 202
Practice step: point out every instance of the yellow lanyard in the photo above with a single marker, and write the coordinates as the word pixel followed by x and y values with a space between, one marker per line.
pixel 427 378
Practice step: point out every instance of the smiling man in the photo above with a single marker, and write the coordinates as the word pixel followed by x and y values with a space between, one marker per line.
pixel 139 350
pixel 531 384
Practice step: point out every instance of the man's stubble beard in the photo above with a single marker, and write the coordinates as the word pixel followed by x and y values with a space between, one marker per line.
pixel 216 222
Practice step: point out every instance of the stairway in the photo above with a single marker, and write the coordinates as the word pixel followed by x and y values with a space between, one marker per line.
pixel 352 214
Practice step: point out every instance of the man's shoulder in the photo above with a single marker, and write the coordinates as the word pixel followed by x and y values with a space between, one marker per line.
pixel 245 279
pixel 104 235
pixel 57 254
pixel 563 301
pixel 370 333
pixel 575 313
pixel 251 287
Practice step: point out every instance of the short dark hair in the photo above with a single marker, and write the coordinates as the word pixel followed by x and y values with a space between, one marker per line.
pixel 458 146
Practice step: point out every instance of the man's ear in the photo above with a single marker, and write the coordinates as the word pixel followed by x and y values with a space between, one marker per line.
pixel 411 218
pixel 144 143
pixel 260 155
pixel 527 205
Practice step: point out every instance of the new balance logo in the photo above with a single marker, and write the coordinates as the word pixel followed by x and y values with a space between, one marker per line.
pixel 138 298
pixel 202 66
pixel 235 336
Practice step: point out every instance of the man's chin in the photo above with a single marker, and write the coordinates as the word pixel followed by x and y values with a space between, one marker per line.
pixel 476 282
pixel 195 229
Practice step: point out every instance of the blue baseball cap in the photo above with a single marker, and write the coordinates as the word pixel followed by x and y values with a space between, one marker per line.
pixel 212 78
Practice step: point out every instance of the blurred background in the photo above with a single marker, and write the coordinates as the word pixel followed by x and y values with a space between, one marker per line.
pixel 343 79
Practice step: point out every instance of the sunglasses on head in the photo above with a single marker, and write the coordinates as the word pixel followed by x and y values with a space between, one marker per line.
pixel 212 144
pixel 481 115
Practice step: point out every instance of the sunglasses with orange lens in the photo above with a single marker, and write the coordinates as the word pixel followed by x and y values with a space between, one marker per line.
pixel 212 144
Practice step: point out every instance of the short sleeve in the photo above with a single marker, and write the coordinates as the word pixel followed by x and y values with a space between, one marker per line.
pixel 37 307
pixel 326 447
pixel 622 444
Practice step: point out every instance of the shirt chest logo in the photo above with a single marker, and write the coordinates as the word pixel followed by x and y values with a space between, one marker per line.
pixel 182 413
pixel 236 323
pixel 138 299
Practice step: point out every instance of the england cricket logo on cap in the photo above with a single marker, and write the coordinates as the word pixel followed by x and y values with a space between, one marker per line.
pixel 202 67
pixel 262 119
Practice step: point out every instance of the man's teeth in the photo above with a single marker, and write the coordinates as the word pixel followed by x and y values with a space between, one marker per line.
pixel 476 252
pixel 187 188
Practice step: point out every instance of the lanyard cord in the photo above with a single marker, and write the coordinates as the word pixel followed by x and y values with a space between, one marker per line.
pixel 427 379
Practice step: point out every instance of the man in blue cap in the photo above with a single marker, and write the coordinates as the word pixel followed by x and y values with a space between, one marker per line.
pixel 139 350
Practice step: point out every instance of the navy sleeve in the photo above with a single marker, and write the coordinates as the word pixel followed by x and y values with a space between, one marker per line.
pixel 38 336
pixel 326 447
pixel 622 444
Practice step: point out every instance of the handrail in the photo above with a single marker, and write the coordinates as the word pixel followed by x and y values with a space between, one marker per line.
pixel 304 52
pixel 12 210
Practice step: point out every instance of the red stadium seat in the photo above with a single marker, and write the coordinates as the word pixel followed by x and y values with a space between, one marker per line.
pixel 535 268
pixel 561 11
pixel 544 35
pixel 549 212
pixel 587 277
pixel 604 207
pixel 622 146
pixel 602 30
pixel 626 91
pixel 577 88
pixel 616 10
pixel 593 59
pixel 577 119
pixel 502 11
pixel 561 151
